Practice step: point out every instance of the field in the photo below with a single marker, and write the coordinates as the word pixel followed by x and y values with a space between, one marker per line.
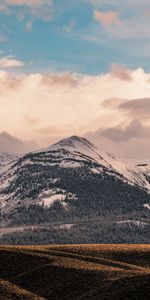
pixel 75 272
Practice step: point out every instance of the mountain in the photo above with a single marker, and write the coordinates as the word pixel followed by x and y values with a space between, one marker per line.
pixel 82 146
pixel 6 158
pixel 69 181
pixel 144 168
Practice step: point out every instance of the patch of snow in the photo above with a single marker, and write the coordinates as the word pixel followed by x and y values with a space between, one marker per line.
pixel 48 197
pixel 132 222
pixel 70 164
pixel 95 170
pixel 64 226
pixel 50 200
pixel 78 145
pixel 4 183
pixel 147 206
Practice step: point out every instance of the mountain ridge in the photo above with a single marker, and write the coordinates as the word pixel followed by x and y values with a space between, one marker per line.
pixel 73 178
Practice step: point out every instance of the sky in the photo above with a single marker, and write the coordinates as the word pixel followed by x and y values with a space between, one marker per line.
pixel 75 68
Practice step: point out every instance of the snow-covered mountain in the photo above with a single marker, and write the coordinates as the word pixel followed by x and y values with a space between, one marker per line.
pixel 71 178
pixel 144 168
pixel 81 146
pixel 6 158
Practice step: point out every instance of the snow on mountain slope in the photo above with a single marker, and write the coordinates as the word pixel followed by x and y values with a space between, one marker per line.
pixel 132 222
pixel 71 177
pixel 48 197
pixel 75 152
pixel 6 160
pixel 144 168
pixel 147 206
pixel 35 176
pixel 79 145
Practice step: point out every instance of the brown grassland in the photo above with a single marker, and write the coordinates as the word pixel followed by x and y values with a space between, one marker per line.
pixel 69 272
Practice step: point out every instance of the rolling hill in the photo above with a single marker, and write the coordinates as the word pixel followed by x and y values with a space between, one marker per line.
pixel 75 272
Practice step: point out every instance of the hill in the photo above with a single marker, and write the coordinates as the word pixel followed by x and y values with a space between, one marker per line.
pixel 75 272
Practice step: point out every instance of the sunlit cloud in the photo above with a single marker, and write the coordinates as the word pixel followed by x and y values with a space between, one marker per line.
pixel 46 107
pixel 131 136
pixel 136 108
pixel 107 19
pixel 10 62
pixel 121 72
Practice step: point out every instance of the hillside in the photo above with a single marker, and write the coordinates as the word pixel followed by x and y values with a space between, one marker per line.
pixel 75 272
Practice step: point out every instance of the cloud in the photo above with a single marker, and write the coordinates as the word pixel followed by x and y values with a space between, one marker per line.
pixel 41 9
pixel 133 108
pixel 107 19
pixel 121 72
pixel 30 3
pixel 10 143
pixel 135 148
pixel 45 107
pixel 59 79
pixel 113 103
pixel 120 133
pixel 136 108
pixel 131 136
pixel 131 39
pixel 10 62
pixel 49 135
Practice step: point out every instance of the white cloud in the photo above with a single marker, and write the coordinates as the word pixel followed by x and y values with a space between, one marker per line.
pixel 10 62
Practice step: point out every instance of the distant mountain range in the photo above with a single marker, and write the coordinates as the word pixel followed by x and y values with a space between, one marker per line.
pixel 70 181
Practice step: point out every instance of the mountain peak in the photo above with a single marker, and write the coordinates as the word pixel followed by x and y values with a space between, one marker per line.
pixel 75 144
pixel 74 141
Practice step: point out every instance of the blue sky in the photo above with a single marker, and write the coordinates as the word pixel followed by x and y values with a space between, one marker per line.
pixel 65 35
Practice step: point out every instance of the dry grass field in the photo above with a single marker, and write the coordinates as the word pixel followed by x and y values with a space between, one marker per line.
pixel 75 272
